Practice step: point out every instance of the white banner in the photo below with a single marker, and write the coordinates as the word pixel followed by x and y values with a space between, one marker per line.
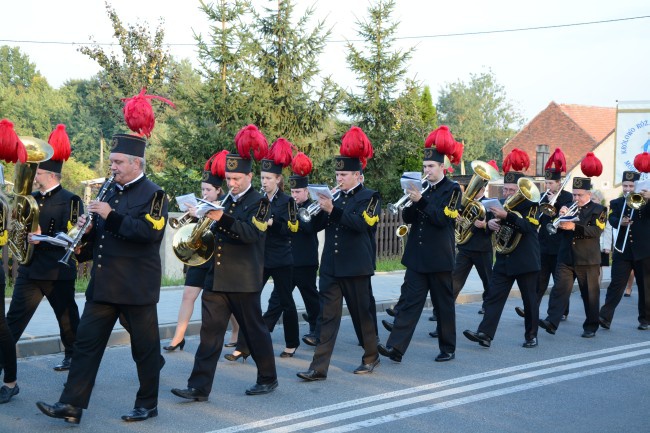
pixel 632 135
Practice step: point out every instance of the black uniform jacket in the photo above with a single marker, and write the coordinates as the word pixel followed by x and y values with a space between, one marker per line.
pixel 239 246
pixel 430 246
pixel 277 251
pixel 481 239
pixel 548 243
pixel 525 257
pixel 304 242
pixel 126 246
pixel 58 212
pixel 349 249
pixel 638 242
pixel 582 245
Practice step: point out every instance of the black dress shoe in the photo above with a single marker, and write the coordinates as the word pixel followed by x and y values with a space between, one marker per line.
pixel 305 317
pixel 140 414
pixel 444 356
pixel 310 340
pixel 481 311
pixel 627 295
pixel 366 368
pixel 547 326
pixel 478 337
pixel 643 327
pixel 604 323
pixel 311 375
pixel 520 312
pixel 259 389
pixel 529 344
pixel 391 312
pixel 434 317
pixel 433 334
pixel 389 352
pixel 231 344
pixel 588 334
pixel 171 348
pixel 64 365
pixel 388 325
pixel 190 394
pixel 64 411
pixel 233 357
pixel 286 354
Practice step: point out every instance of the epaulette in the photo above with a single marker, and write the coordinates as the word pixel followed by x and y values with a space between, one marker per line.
pixel 155 214
pixel 370 214
pixel 259 220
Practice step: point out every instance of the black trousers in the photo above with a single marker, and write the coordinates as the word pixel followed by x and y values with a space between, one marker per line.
pixel 418 285
pixel 465 259
pixel 500 286
pixel 373 313
pixel 95 328
pixel 587 276
pixel 216 308
pixel 27 296
pixel 402 299
pixel 549 267
pixel 304 277
pixel 356 291
pixel 621 269
pixel 281 303
pixel 7 343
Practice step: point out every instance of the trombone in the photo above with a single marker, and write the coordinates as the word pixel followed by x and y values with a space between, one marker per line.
pixel 306 213
pixel 635 201
pixel 572 211
pixel 405 201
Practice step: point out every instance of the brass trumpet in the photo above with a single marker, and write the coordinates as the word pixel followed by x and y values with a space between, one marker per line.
pixel 402 231
pixel 405 201
pixel 179 222
pixel 306 213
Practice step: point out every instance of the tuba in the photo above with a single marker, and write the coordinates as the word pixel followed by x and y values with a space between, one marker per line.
pixel 473 210
pixel 507 238
pixel 24 209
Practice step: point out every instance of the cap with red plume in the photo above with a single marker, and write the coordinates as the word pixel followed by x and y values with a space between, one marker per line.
pixel 642 162
pixel 514 164
pixel 138 112
pixel 457 155
pixel 250 142
pixel 494 164
pixel 356 150
pixel 280 156
pixel 11 148
pixel 555 165
pixel 215 169
pixel 60 143
pixel 301 167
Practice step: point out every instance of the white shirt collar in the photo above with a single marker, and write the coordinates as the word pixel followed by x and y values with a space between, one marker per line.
pixel 121 187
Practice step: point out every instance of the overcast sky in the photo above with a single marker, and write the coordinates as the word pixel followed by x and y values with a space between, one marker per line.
pixel 595 64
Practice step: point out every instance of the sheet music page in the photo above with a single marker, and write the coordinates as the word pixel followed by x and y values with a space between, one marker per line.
pixel 205 206
pixel 492 203
pixel 184 200
pixel 316 190
pixel 409 178
pixel 50 240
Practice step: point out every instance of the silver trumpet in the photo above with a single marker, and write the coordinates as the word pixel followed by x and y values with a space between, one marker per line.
pixel 552 227
pixel 405 201
pixel 307 213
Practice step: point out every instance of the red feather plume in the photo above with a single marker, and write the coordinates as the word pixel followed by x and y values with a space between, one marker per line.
pixel 457 155
pixel 558 159
pixel 443 140
pixel 642 162
pixel 60 142
pixel 281 152
pixel 516 160
pixel 248 139
pixel 494 164
pixel 591 166
pixel 138 112
pixel 301 165
pixel 218 166
pixel 356 144
pixel 11 148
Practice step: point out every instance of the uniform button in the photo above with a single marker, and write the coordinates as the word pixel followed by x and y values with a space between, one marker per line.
pixel 41 205
pixel 218 255
pixel 99 266
pixel 420 243
pixel 218 263
pixel 219 247
pixel 336 251
pixel 336 244
pixel 336 236
pixel 117 201
pixel 99 256
pixel 102 236
pixel 101 246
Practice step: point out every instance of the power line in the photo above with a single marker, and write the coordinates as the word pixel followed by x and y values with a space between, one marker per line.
pixel 442 35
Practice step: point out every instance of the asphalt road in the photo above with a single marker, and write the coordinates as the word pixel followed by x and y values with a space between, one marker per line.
pixel 567 384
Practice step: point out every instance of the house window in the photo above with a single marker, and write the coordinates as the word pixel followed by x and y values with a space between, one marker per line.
pixel 541 159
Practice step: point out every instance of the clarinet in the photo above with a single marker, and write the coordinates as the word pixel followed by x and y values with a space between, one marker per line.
pixel 101 195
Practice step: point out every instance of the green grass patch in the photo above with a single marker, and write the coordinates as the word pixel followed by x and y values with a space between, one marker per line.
pixel 388 265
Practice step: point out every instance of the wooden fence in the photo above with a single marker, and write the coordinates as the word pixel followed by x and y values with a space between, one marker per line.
pixel 388 244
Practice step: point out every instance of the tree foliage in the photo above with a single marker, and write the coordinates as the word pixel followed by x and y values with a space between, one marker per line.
pixel 479 114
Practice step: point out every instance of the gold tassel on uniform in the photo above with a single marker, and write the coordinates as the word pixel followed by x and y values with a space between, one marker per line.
pixel 370 215
pixel 4 238
pixel 451 213
pixel 370 220
pixel 532 220
pixel 261 225
pixel 259 220
pixel 157 224
pixel 155 214
pixel 69 226
pixel 293 226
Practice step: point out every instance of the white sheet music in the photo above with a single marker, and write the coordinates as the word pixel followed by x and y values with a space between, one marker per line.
pixel 316 190
pixel 411 178
pixel 61 239
pixel 492 203
pixel 184 200
pixel 205 206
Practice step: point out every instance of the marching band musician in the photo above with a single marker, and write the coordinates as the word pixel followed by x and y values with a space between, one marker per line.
pixel 432 216
pixel 631 254
pixel 195 277
pixel 549 245
pixel 240 231
pixel 125 282
pixel 518 263
pixel 304 246
pixel 347 261
pixel 278 259
pixel 579 254
pixel 45 276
